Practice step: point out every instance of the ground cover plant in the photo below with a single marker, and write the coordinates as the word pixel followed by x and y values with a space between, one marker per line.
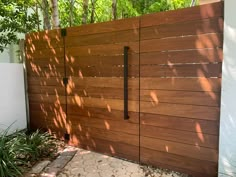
pixel 22 149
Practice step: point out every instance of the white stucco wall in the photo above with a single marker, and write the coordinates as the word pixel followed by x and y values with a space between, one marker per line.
pixel 12 96
pixel 227 144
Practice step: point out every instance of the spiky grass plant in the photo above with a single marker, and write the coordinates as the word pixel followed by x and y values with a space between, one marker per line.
pixel 19 149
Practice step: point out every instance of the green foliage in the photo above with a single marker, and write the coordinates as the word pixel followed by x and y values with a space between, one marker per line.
pixel 15 18
pixel 20 148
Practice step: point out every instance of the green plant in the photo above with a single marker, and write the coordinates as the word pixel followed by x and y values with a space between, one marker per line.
pixel 20 148
pixel 8 160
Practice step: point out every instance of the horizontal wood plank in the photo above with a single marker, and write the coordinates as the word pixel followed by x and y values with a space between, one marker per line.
pixel 185 150
pixel 181 97
pixel 102 38
pixel 101 113
pixel 101 60
pixel 111 26
pixel 102 71
pixel 191 166
pixel 110 82
pixel 109 104
pixel 211 40
pixel 102 50
pixel 104 124
pixel 45 53
pixel 203 26
pixel 188 111
pixel 185 137
pixel 182 57
pixel 185 84
pixel 106 147
pixel 182 15
pixel 182 70
pixel 184 124
pixel 113 136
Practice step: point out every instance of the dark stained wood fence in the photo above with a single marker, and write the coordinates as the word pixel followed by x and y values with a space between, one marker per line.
pixel 174 87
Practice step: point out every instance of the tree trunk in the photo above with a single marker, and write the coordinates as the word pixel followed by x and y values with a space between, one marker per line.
pixel 55 14
pixel 46 19
pixel 114 9
pixel 85 9
pixel 71 12
pixel 93 2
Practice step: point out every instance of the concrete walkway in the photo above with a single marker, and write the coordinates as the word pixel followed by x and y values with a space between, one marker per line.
pixel 91 164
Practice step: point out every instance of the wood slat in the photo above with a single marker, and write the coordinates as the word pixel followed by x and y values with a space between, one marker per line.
pixel 102 71
pixel 183 70
pixel 101 60
pixel 185 150
pixel 182 57
pixel 102 50
pixel 104 124
pixel 182 15
pixel 109 104
pixel 46 72
pixel 102 38
pixel 187 111
pixel 184 124
pixel 106 147
pixel 43 81
pixel 42 98
pixel 45 53
pixel 191 166
pixel 98 92
pixel 46 90
pixel 203 26
pixel 181 97
pixel 111 26
pixel 111 82
pixel 185 137
pixel 182 43
pixel 184 84
pixel 118 137
pixel 101 113
pixel 43 35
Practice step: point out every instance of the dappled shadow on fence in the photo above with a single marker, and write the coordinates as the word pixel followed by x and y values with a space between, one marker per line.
pixel 174 87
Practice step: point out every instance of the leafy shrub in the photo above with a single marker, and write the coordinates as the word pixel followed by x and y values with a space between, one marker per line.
pixel 19 149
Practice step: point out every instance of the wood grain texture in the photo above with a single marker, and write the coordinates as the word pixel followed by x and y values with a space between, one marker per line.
pixel 187 111
pixel 101 50
pixel 183 70
pixel 101 113
pixel 109 104
pixel 185 137
pixel 111 26
pixel 182 15
pixel 184 84
pixel 195 167
pixel 211 40
pixel 184 124
pixel 203 26
pixel 116 149
pixel 181 97
pixel 102 38
pixel 182 57
pixel 185 150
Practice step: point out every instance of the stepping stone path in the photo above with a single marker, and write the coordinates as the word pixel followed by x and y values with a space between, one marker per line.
pixel 51 169
pixel 91 164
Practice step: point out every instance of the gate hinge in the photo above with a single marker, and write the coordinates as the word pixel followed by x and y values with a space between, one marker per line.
pixel 63 32
pixel 65 81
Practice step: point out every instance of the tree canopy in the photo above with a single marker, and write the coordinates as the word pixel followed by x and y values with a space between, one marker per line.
pixel 22 16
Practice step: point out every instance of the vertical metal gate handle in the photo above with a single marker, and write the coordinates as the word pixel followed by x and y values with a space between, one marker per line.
pixel 126 116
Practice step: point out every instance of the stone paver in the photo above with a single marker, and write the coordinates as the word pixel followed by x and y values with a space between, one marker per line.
pixel 91 164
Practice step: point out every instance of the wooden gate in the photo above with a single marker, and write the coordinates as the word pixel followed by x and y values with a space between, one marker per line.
pixel 76 87
pixel 180 70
